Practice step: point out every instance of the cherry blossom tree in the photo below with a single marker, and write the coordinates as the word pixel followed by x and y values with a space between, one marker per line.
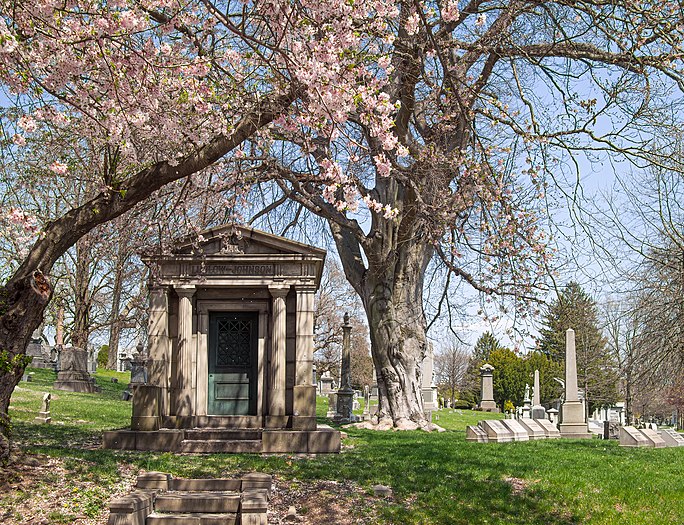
pixel 415 129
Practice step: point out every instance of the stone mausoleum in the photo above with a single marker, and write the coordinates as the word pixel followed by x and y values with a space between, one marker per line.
pixel 230 352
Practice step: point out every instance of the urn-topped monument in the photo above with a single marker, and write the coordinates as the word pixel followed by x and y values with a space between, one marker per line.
pixel 231 343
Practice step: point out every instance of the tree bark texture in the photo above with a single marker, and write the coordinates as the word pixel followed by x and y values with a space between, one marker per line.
pixel 390 283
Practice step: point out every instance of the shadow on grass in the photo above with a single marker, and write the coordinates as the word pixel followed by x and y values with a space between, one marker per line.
pixel 436 478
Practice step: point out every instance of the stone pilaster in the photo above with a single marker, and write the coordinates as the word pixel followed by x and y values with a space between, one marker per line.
pixel 184 392
pixel 573 422
pixel 159 345
pixel 304 405
pixel 277 380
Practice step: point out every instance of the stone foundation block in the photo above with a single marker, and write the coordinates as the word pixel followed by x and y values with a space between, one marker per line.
pixel 154 481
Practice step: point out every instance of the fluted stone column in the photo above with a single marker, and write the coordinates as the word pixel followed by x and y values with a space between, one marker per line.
pixel 304 403
pixel 277 385
pixel 574 423
pixel 487 403
pixel 185 395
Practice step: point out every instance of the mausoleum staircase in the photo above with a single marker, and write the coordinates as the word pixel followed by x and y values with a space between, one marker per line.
pixel 162 500
pixel 229 441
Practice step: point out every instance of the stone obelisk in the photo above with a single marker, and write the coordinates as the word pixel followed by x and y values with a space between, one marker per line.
pixel 574 423
pixel 487 403
pixel 538 411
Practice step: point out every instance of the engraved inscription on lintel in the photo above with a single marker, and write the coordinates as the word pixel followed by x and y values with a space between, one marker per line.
pixel 232 269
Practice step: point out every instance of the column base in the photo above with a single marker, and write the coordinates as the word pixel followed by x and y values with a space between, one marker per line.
pixel 277 421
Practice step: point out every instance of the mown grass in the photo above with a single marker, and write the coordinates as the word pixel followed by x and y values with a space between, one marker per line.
pixel 437 478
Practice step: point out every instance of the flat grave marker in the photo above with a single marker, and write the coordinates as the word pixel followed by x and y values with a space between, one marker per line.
pixel 550 429
pixel 653 437
pixel 631 437
pixel 519 431
pixel 672 438
pixel 476 434
pixel 496 431
pixel 534 429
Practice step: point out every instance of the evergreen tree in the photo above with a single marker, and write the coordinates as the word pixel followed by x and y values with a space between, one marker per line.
pixel 596 369
pixel 482 351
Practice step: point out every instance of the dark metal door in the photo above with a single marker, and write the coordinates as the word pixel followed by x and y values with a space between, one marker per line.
pixel 232 363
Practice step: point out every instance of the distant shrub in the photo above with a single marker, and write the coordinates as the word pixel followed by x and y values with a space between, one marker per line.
pixel 102 356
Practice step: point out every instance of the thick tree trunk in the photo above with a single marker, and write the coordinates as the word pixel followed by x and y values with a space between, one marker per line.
pixel 82 301
pixel 115 321
pixel 22 303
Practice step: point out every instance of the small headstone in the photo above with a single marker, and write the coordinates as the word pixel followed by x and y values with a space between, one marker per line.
pixel 126 395
pixel 631 437
pixel 44 414
pixel 550 429
pixel 672 438
pixel 496 431
pixel 653 438
pixel 382 491
pixel 553 414
pixel 476 434
pixel 534 429
pixel 519 432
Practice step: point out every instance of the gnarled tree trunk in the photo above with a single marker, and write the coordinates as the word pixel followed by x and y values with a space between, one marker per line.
pixel 22 302
pixel 394 305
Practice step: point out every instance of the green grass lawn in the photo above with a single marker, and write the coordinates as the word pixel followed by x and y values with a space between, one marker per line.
pixel 437 478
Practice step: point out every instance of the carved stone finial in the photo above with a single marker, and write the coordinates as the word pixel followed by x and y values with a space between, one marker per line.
pixel 346 318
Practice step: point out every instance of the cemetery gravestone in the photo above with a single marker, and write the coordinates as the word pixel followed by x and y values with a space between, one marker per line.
pixel 326 383
pixel 519 432
pixel 534 429
pixel 73 376
pixel 476 434
pixel 550 429
pixel 487 402
pixel 574 423
pixel 496 431
pixel 672 438
pixel 538 411
pixel 653 438
pixel 631 437
pixel 44 415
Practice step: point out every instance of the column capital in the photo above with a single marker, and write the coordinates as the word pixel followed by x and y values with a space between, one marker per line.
pixel 279 290
pixel 305 288
pixel 185 290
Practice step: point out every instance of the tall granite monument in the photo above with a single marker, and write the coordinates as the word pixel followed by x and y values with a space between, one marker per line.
pixel 574 422
pixel 487 402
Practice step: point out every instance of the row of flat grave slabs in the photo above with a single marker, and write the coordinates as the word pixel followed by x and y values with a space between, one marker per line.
pixel 646 437
pixel 506 430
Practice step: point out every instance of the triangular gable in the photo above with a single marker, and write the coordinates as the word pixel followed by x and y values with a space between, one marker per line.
pixel 231 239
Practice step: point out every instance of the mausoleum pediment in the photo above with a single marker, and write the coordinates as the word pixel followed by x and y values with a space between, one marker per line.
pixel 233 255
pixel 233 239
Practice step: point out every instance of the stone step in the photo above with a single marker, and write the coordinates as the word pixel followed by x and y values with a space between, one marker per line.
pixel 160 518
pixel 223 434
pixel 204 485
pixel 197 502
pixel 218 446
